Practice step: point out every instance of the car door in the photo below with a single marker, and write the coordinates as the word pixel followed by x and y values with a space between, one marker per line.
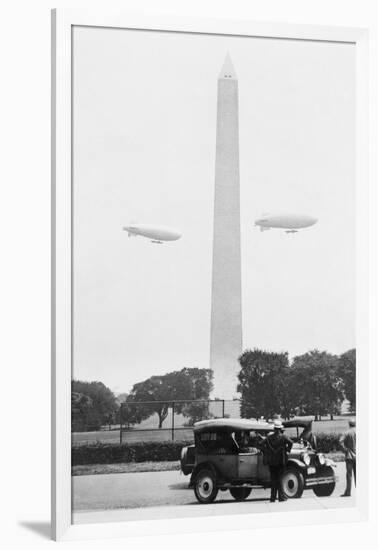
pixel 248 465
pixel 263 472
pixel 226 465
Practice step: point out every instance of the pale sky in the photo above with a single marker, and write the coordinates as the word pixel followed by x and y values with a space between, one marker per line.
pixel 144 151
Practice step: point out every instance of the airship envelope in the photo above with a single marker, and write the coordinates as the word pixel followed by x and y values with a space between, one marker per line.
pixel 291 223
pixel 156 233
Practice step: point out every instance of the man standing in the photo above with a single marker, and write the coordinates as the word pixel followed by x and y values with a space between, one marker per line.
pixel 348 445
pixel 276 448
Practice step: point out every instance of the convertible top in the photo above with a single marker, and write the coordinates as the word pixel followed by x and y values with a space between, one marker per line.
pixel 231 424
pixel 297 423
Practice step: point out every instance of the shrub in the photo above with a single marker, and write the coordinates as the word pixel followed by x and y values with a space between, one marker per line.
pixel 106 453
pixel 160 451
pixel 328 442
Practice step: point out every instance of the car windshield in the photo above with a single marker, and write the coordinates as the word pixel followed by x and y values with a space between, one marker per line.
pixel 293 433
pixel 301 437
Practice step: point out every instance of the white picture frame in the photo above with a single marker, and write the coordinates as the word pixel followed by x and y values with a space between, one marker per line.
pixel 62 23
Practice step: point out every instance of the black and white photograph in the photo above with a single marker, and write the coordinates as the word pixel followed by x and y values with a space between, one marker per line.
pixel 189 274
pixel 214 349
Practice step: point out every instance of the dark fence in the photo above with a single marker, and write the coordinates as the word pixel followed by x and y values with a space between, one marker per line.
pixel 171 419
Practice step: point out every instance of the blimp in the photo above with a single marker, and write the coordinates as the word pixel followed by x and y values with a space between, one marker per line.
pixel 291 223
pixel 156 233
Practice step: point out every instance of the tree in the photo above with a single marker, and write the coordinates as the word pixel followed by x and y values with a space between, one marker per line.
pixel 201 385
pixel 347 373
pixel 262 383
pixel 316 383
pixel 195 411
pixel 80 406
pixel 121 398
pixel 103 406
pixel 160 391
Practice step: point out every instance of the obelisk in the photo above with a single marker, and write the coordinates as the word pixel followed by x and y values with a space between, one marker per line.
pixel 226 309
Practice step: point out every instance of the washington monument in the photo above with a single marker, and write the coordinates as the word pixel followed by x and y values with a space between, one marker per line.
pixel 226 312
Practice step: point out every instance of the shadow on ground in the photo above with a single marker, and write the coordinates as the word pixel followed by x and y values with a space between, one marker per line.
pixel 248 501
pixel 184 485
pixel 41 528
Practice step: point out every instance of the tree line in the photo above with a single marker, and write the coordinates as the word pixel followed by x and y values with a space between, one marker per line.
pixel 314 383
pixel 94 405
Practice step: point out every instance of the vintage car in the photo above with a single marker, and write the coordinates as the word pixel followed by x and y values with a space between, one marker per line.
pixel 226 455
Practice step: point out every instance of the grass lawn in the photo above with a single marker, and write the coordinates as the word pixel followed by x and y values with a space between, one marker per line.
pixel 125 468
pixel 338 425
pixel 103 436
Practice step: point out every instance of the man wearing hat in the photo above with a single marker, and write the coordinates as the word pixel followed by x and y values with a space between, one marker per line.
pixel 348 445
pixel 276 448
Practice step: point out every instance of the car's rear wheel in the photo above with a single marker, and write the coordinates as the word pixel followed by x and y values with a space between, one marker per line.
pixel 205 486
pixel 292 483
pixel 240 493
pixel 326 489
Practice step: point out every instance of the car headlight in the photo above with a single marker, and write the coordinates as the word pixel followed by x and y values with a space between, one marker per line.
pixel 306 459
pixel 321 459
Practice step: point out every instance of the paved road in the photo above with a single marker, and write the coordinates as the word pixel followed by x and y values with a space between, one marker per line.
pixel 95 496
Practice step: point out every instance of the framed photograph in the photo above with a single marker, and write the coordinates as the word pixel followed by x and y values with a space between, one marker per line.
pixel 210 292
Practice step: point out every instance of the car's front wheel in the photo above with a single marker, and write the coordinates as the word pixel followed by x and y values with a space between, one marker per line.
pixel 292 483
pixel 326 489
pixel 205 486
pixel 240 493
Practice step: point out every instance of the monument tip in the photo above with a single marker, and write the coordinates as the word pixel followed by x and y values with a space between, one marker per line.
pixel 228 70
